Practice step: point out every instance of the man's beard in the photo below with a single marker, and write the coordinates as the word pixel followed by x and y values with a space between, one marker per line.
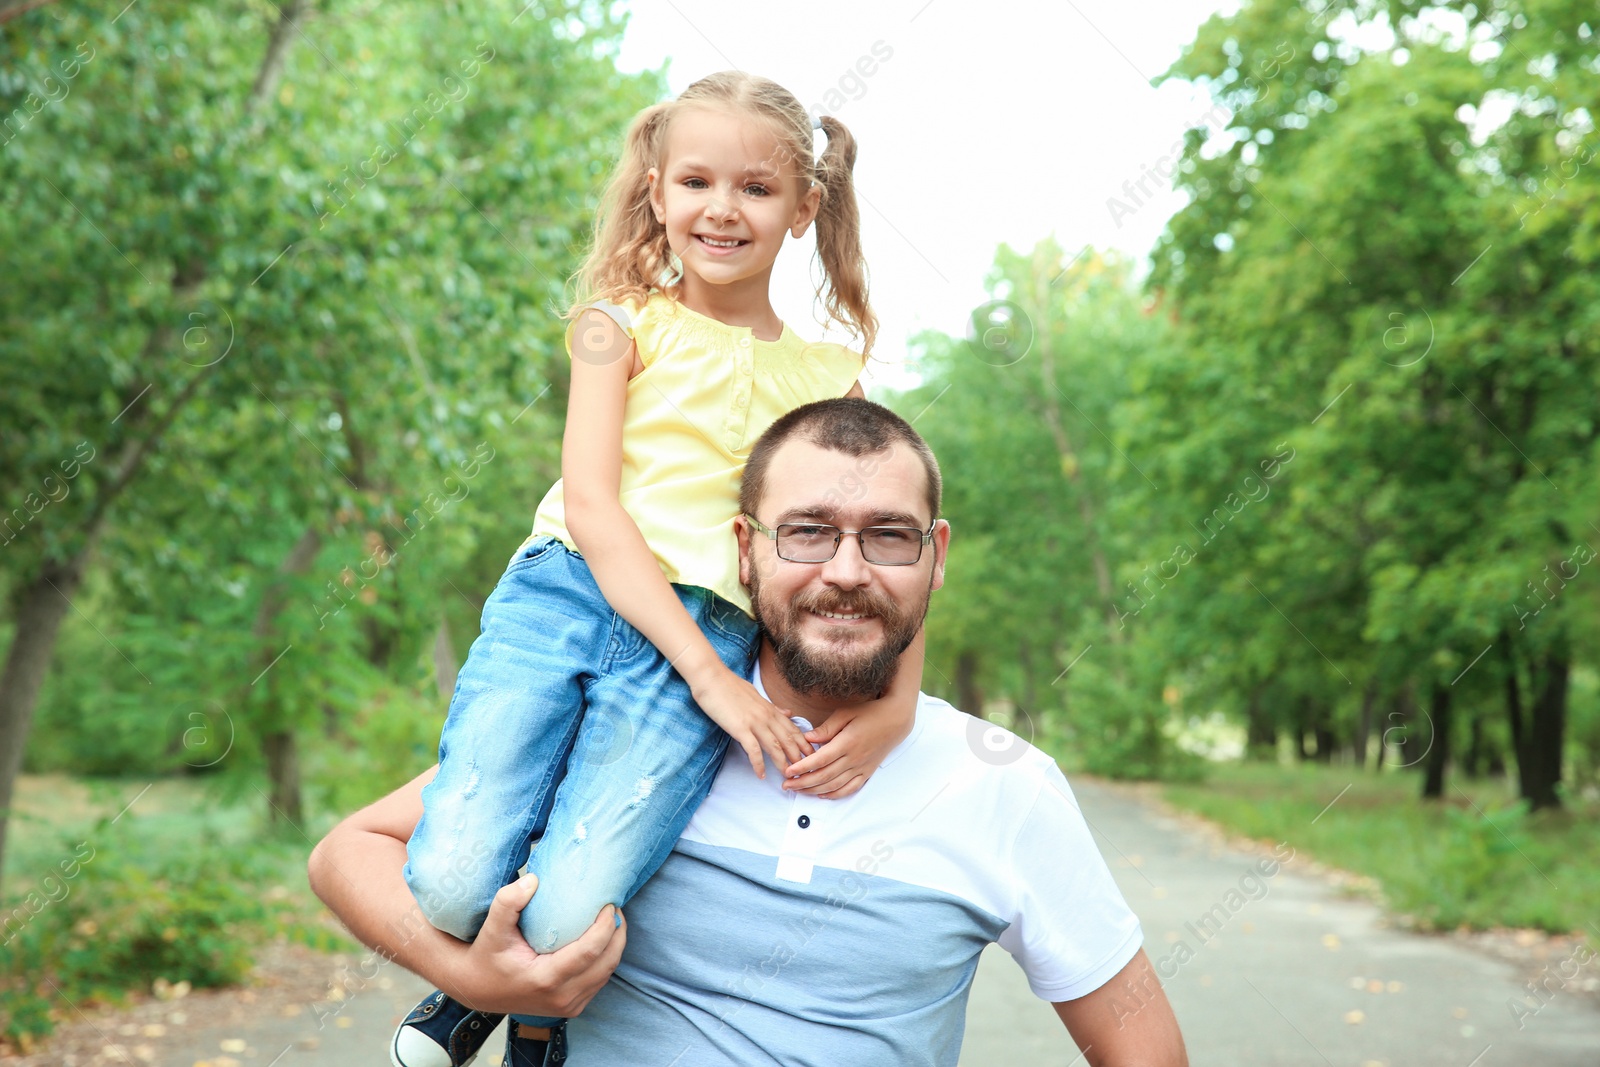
pixel 845 672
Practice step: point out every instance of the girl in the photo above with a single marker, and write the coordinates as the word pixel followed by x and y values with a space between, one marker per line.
pixel 620 639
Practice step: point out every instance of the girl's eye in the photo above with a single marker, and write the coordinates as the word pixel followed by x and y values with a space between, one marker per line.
pixel 755 190
pixel 696 183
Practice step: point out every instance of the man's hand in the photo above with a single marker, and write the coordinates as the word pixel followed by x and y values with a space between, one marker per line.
pixel 500 973
pixel 356 870
pixel 751 720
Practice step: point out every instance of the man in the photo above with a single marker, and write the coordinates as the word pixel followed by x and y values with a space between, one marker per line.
pixel 785 928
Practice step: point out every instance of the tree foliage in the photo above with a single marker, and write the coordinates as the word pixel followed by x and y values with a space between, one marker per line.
pixel 282 292
pixel 1351 494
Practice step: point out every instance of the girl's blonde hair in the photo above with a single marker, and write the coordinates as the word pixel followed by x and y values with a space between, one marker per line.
pixel 630 256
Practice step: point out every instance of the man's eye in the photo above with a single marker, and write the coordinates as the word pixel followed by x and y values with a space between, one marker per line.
pixel 891 536
pixel 809 533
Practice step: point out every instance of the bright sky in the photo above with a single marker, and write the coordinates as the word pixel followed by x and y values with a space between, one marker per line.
pixel 1008 122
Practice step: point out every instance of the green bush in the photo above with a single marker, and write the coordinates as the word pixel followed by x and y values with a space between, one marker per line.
pixel 105 926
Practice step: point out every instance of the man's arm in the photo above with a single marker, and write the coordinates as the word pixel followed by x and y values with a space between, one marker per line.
pixel 1126 1021
pixel 357 871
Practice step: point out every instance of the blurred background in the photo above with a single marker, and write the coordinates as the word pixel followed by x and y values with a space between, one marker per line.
pixel 1258 343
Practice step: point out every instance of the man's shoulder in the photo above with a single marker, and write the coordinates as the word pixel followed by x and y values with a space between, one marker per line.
pixel 988 752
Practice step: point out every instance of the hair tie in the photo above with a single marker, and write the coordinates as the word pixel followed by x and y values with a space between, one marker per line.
pixel 816 123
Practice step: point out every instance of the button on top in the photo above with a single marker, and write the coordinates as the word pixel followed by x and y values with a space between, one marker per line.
pixel 805 821
pixel 744 342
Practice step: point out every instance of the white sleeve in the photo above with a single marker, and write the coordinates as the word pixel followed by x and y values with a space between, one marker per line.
pixel 618 314
pixel 1070 930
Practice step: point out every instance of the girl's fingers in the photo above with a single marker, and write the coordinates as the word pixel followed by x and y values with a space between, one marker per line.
pixel 785 743
pixel 758 762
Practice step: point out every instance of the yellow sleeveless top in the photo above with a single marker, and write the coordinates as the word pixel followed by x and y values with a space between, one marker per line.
pixel 707 392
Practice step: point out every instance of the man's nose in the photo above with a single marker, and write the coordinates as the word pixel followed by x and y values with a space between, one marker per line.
pixel 848 569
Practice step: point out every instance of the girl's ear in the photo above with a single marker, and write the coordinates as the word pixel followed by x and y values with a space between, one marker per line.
pixel 806 213
pixel 657 201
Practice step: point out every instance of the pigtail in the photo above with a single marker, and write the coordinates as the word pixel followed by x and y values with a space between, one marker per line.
pixel 844 295
pixel 630 255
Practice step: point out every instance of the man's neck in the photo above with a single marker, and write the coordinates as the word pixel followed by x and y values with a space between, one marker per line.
pixel 816 710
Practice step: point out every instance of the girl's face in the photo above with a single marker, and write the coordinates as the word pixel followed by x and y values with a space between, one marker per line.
pixel 727 192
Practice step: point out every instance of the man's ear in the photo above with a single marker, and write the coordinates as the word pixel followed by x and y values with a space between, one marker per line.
pixel 941 549
pixel 741 528
pixel 658 203
pixel 806 213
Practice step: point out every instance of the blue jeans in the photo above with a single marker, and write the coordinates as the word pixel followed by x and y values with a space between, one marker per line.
pixel 567 725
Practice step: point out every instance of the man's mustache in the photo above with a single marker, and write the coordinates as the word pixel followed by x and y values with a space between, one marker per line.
pixel 835 602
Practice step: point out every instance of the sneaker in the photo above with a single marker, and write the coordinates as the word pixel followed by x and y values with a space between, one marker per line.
pixel 441 1033
pixel 523 1051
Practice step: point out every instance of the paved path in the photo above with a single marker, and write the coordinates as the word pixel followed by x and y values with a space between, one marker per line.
pixel 1277 985
pixel 1271 978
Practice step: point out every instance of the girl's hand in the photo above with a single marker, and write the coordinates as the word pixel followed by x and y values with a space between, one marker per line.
pixel 854 742
pixel 753 722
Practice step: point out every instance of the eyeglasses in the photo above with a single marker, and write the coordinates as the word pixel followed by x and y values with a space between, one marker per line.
pixel 810 542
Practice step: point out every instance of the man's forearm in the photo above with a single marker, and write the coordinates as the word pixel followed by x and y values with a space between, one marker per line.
pixel 1111 1034
pixel 359 872
pixel 358 875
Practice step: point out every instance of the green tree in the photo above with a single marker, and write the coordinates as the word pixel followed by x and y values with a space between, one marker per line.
pixel 282 278
pixel 1391 298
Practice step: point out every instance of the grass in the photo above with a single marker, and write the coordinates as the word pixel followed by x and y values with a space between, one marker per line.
pixel 1476 860
pixel 114 887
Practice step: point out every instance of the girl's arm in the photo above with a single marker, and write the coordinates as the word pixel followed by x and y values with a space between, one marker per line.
pixel 623 565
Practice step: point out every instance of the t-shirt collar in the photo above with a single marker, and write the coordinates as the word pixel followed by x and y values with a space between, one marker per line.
pixel 805 724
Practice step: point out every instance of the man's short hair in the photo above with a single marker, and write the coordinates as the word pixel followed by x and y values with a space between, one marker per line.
pixel 851 425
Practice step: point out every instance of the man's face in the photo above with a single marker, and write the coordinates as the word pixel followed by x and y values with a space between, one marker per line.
pixel 837 629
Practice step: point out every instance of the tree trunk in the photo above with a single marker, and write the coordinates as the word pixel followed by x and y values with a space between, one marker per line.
pixel 283 772
pixel 1362 742
pixel 277 738
pixel 39 608
pixel 1519 732
pixel 1030 689
pixel 1261 733
pixel 1547 731
pixel 1472 759
pixel 1327 741
pixel 967 690
pixel 1301 752
pixel 1438 743
pixel 290 15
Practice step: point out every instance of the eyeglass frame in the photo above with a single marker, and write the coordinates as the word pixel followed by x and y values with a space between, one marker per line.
pixel 926 538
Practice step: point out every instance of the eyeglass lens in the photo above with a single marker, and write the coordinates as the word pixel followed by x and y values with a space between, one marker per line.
pixel 893 545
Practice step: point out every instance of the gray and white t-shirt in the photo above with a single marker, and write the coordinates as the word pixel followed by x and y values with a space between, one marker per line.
pixel 785 929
